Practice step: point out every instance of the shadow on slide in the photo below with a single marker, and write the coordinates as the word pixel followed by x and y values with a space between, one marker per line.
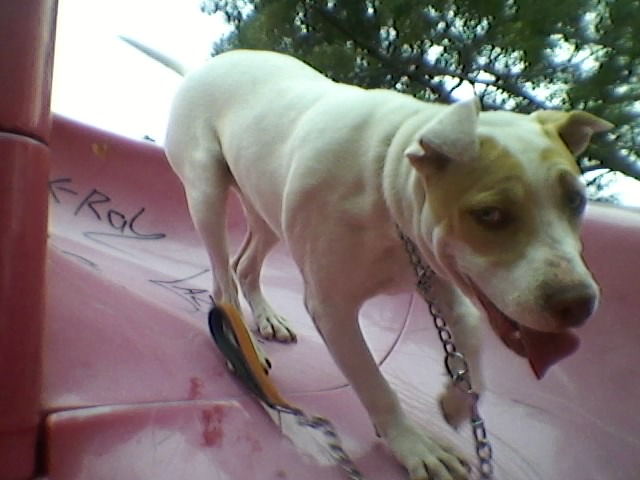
pixel 135 389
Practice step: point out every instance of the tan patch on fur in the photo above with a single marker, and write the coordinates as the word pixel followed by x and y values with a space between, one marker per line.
pixel 496 179
pixel 559 152
pixel 563 174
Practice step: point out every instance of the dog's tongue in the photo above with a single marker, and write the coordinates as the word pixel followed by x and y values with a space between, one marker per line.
pixel 542 349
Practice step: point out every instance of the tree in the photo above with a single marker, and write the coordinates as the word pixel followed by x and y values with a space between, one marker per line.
pixel 520 55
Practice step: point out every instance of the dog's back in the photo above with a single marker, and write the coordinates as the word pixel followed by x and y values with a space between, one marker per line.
pixel 257 112
pixel 244 104
pixel 238 88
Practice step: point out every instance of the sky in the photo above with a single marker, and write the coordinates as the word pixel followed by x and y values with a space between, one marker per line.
pixel 100 80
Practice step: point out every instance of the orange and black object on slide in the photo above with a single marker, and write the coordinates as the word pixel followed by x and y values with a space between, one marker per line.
pixel 234 341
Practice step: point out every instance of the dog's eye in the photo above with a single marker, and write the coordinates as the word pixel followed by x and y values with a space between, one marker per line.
pixel 492 217
pixel 576 202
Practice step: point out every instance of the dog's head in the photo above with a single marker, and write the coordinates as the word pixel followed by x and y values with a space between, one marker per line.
pixel 506 202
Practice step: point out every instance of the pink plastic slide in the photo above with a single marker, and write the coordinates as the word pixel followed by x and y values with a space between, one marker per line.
pixel 115 377
pixel 135 389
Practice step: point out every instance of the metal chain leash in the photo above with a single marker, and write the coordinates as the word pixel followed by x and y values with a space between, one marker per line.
pixel 332 439
pixel 454 361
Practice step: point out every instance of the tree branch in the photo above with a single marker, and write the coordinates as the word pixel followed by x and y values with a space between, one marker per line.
pixel 513 88
pixel 388 62
pixel 609 156
pixel 431 70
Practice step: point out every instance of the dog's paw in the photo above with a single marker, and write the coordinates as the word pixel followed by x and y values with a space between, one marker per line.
pixel 455 406
pixel 274 327
pixel 423 457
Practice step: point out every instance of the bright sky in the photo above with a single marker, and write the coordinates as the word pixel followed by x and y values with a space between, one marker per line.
pixel 100 80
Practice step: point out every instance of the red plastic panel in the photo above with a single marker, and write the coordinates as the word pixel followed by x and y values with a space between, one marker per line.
pixel 23 213
pixel 26 60
pixel 27 30
pixel 129 286
pixel 198 440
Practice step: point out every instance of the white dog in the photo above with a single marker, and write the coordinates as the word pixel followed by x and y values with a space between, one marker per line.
pixel 492 200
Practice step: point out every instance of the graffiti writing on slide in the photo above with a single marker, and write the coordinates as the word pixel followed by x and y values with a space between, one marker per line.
pixel 79 258
pixel 197 298
pixel 99 204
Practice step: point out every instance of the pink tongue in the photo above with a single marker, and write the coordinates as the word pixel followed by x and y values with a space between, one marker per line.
pixel 543 349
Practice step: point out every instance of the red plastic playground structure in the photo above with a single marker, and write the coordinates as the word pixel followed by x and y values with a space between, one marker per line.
pixel 107 370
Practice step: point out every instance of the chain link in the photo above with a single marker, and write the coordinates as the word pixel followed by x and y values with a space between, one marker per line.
pixel 455 362
pixel 324 426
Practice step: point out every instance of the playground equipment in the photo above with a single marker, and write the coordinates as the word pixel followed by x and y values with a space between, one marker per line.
pixel 107 369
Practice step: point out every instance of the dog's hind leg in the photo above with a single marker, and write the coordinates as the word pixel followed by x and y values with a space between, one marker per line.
pixel 247 264
pixel 206 181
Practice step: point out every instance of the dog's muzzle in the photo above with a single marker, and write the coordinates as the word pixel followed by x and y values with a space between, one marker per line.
pixel 542 349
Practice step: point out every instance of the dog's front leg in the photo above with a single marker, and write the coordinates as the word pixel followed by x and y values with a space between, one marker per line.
pixel 423 457
pixel 463 319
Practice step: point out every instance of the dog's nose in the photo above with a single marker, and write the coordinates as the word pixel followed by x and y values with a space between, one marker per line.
pixel 571 306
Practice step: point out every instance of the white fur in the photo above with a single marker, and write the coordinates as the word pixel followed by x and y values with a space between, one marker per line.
pixel 322 166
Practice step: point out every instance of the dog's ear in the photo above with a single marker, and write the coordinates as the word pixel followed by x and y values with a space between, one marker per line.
pixel 451 136
pixel 575 128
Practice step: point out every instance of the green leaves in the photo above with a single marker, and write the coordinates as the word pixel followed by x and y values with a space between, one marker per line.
pixel 518 54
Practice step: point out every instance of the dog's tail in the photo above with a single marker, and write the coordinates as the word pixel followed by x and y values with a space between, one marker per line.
pixel 160 57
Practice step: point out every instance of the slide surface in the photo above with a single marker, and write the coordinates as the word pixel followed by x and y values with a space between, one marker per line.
pixel 134 388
